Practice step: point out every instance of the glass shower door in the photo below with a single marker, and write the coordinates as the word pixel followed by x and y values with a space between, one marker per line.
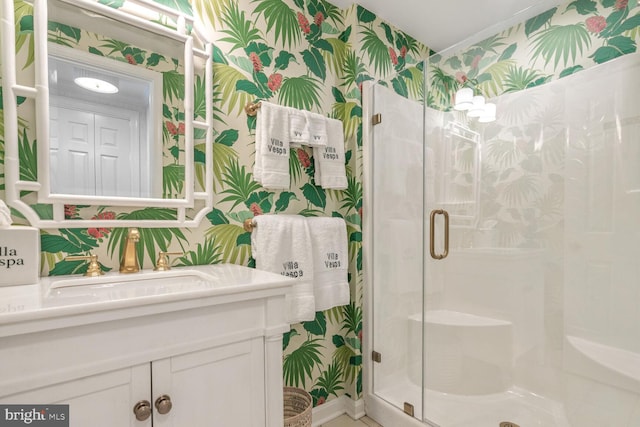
pixel 397 262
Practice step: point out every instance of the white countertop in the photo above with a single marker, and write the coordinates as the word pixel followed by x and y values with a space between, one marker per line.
pixel 59 301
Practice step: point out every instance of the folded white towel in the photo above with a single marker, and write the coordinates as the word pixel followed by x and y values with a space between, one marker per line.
pixel 298 128
pixel 317 130
pixel 330 171
pixel 282 244
pixel 330 261
pixel 271 167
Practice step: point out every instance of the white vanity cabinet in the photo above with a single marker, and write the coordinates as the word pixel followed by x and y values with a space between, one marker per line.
pixel 213 350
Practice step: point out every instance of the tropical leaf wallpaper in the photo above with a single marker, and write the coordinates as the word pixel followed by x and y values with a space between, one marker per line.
pixel 552 45
pixel 308 54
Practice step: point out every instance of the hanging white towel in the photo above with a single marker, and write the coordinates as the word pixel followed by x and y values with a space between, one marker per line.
pixel 272 146
pixel 330 262
pixel 330 171
pixel 282 244
pixel 298 128
pixel 317 130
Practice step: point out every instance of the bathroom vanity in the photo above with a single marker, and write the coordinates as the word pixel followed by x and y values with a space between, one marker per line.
pixel 194 346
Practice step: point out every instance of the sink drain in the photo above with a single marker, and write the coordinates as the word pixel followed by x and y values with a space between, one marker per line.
pixel 508 424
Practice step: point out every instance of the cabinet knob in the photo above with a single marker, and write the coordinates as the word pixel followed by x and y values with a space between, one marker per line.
pixel 142 410
pixel 163 404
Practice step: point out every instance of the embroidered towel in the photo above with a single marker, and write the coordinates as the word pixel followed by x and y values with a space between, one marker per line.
pixel 282 244
pixel 330 172
pixel 330 261
pixel 272 146
pixel 298 128
pixel 317 130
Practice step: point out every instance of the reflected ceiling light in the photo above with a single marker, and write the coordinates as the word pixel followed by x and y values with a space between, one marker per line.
pixel 464 99
pixel 489 113
pixel 95 82
pixel 477 108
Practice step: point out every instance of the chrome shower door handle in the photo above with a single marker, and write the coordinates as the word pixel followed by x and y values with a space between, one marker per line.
pixel 432 234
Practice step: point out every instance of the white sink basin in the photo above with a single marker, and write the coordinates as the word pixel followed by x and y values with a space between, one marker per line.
pixel 158 278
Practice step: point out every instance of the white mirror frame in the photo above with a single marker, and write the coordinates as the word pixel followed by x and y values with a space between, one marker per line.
pixel 40 93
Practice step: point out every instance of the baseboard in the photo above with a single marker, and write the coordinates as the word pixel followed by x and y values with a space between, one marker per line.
pixel 336 407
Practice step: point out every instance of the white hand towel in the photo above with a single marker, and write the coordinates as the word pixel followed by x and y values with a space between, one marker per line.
pixel 330 261
pixel 272 146
pixel 330 171
pixel 282 244
pixel 317 130
pixel 298 128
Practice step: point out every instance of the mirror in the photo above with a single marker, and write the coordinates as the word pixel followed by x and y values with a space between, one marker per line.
pixel 115 123
pixel 105 130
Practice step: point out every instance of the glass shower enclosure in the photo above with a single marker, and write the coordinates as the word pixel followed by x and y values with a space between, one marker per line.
pixel 502 259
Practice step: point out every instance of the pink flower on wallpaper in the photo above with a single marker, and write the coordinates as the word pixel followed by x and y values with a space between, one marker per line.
pixel 70 211
pixel 274 82
pixel 318 19
pixel 596 24
pixel 621 4
pixel 321 400
pixel 257 63
pixel 476 61
pixel 99 233
pixel 181 129
pixel 403 52
pixel 105 215
pixel 256 209
pixel 304 23
pixel 303 157
pixel 173 130
pixel 130 59
pixel 96 233
pixel 461 77
pixel 394 57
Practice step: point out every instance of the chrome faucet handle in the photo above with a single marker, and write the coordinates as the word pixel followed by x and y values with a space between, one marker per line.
pixel 162 264
pixel 93 270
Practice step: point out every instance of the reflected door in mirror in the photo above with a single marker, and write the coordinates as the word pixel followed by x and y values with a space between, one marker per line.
pixel 92 153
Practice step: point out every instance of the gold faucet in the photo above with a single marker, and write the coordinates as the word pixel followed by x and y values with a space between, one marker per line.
pixel 129 262
pixel 163 260
pixel 93 269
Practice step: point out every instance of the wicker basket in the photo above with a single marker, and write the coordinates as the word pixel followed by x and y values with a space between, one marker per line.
pixel 297 407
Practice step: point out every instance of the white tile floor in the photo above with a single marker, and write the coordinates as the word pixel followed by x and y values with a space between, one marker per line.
pixel 346 421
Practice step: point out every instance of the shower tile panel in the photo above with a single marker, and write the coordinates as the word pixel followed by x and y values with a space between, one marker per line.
pixel 600 179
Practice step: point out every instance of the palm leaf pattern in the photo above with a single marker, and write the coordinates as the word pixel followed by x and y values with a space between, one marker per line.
pixel 281 21
pixel 301 92
pixel 211 10
pixel 299 364
pixel 227 78
pixel 240 30
pixel 561 43
pixel 377 51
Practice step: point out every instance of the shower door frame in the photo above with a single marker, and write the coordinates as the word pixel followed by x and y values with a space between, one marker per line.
pixel 375 407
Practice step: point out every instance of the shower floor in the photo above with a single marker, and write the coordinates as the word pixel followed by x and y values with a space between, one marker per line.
pixel 448 410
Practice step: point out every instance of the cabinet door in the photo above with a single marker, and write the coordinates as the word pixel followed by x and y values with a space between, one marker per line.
pixel 217 387
pixel 104 400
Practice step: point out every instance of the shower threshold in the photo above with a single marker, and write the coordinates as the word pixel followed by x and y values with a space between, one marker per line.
pixel 516 405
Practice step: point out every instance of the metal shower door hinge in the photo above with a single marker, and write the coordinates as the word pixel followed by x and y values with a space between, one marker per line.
pixel 376 357
pixel 376 119
pixel 408 409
